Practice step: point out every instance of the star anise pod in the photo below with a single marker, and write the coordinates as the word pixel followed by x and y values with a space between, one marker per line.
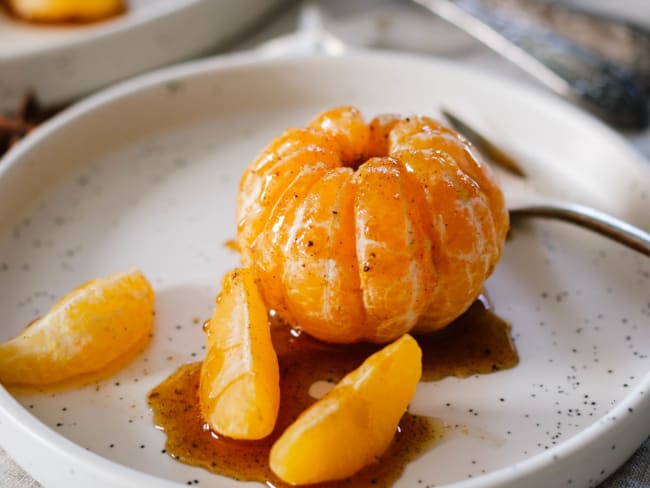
pixel 14 126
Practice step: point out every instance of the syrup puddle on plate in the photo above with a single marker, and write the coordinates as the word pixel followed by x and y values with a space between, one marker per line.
pixel 478 342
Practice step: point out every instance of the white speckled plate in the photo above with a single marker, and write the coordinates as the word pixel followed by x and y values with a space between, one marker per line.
pixel 145 174
pixel 63 62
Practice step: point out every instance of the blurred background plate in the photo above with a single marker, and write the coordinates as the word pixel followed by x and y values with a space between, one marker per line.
pixel 64 62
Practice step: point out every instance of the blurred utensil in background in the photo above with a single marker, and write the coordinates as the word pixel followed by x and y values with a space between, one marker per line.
pixel 621 41
pixel 523 201
pixel 609 88
pixel 310 37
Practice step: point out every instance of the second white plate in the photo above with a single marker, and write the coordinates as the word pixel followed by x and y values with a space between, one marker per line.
pixel 63 62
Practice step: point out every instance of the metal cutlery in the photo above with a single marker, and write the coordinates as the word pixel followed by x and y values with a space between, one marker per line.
pixel 608 89
pixel 620 41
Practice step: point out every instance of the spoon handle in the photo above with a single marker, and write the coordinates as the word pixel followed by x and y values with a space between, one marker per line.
pixel 606 88
pixel 591 219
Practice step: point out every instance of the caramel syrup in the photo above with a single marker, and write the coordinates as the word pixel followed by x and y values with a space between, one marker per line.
pixel 477 342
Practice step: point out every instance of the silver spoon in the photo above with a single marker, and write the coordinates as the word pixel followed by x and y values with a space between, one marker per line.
pixel 608 89
pixel 523 201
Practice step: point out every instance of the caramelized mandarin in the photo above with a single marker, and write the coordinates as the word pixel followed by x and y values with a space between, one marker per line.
pixel 411 236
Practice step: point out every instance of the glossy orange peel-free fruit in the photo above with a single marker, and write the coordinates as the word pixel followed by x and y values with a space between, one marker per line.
pixel 354 423
pixel 85 331
pixel 239 388
pixel 365 231
pixel 65 10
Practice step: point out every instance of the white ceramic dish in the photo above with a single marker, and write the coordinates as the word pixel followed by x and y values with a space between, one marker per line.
pixel 62 63
pixel 145 174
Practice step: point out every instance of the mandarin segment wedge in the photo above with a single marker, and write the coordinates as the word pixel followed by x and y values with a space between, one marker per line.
pixel 354 423
pixel 393 248
pixel 278 235
pixel 264 182
pixel 65 10
pixel 320 275
pixel 85 331
pixel 239 389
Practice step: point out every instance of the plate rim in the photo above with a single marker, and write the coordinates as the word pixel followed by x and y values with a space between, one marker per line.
pixel 13 411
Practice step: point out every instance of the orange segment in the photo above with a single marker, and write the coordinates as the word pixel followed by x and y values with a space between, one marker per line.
pixel 354 423
pixel 274 181
pixel 462 235
pixel 321 276
pixel 425 134
pixel 472 221
pixel 274 240
pixel 393 249
pixel 85 331
pixel 267 177
pixel 240 381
